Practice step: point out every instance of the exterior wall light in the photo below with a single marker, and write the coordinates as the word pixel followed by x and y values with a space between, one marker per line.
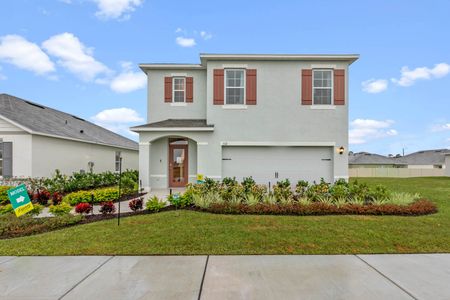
pixel 341 150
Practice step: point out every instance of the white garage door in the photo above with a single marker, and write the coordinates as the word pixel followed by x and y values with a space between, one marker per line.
pixel 271 164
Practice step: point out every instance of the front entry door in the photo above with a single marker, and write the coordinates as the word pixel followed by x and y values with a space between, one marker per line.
pixel 178 163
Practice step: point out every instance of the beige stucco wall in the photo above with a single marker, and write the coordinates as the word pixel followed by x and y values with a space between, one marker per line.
pixel 394 172
pixel 158 110
pixel 447 165
pixel 277 119
pixel 68 156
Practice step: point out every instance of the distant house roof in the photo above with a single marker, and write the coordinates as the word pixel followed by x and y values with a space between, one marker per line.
pixel 170 124
pixel 426 157
pixel 365 158
pixel 42 120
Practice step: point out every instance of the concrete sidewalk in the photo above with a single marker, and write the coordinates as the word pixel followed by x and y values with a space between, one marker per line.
pixel 418 276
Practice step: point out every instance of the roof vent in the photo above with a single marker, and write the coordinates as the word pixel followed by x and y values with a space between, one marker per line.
pixel 81 131
pixel 78 118
pixel 34 104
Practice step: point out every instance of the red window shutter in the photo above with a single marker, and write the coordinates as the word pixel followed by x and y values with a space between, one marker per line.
pixel 167 89
pixel 189 89
pixel 339 87
pixel 250 87
pixel 218 87
pixel 306 87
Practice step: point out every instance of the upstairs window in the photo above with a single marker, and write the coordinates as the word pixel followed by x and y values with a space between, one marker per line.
pixel 322 87
pixel 179 89
pixel 234 86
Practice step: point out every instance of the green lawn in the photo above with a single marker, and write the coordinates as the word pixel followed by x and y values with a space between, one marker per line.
pixel 188 232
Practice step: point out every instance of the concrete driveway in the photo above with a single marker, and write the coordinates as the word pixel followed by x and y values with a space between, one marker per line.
pixel 418 276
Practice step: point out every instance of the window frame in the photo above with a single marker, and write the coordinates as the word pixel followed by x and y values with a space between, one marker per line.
pixel 1 158
pixel 175 90
pixel 244 87
pixel 117 156
pixel 331 88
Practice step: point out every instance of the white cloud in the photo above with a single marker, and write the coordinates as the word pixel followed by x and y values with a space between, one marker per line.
pixel 118 115
pixel 374 86
pixel 408 77
pixel 178 30
pixel 185 42
pixel 128 81
pixel 75 56
pixel 16 50
pixel 440 127
pixel 118 120
pixel 363 130
pixel 205 35
pixel 115 9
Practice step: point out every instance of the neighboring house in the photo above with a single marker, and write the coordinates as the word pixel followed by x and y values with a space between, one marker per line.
pixel 267 116
pixel 426 159
pixel 372 160
pixel 35 140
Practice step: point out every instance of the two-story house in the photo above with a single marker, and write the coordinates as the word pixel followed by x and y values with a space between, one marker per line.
pixel 267 116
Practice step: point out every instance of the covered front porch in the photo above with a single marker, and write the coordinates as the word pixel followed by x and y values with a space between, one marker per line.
pixel 172 153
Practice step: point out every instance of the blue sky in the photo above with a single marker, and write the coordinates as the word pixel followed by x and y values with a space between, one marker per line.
pixel 81 56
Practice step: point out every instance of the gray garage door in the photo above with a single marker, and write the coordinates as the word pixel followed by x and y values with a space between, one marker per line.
pixel 272 164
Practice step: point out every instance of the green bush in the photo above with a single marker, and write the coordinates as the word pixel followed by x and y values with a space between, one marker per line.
pixel 37 209
pixel 100 195
pixel 6 209
pixel 155 204
pixel 4 194
pixel 60 209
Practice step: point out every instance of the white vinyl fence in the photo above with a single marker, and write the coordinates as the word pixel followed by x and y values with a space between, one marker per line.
pixel 394 172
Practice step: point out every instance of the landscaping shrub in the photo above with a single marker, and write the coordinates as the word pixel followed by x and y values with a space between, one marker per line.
pixel 4 195
pixel 11 226
pixel 56 198
pixel 37 209
pixel 338 198
pixel 83 208
pixel 155 204
pixel 60 209
pixel 136 204
pixel 41 196
pixel 420 207
pixel 106 207
pixel 6 209
pixel 99 196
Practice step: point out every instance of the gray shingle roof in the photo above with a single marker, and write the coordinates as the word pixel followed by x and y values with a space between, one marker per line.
pixel 426 157
pixel 44 120
pixel 176 123
pixel 364 158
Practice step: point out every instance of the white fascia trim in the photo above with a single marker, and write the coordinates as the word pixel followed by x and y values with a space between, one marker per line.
pixel 171 67
pixel 178 104
pixel 144 143
pixel 62 137
pixel 172 129
pixel 318 106
pixel 178 74
pixel 234 106
pixel 283 144
pixel 202 143
pixel 234 66
pixel 213 176
pixel 158 175
pixel 323 66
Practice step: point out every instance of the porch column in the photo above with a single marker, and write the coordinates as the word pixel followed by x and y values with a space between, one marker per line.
pixel 144 165
pixel 202 158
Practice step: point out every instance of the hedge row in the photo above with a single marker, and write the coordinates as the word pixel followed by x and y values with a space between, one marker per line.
pixel 420 207
pixel 92 196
